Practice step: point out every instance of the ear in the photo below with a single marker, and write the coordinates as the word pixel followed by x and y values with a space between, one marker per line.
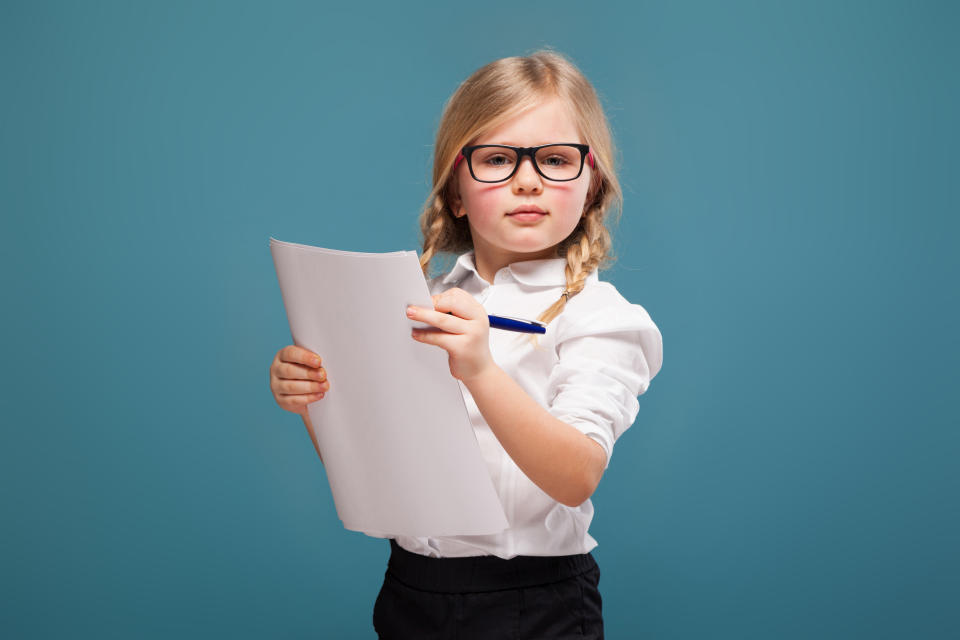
pixel 595 183
pixel 588 200
pixel 456 204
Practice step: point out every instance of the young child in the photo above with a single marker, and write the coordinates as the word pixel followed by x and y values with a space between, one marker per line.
pixel 523 181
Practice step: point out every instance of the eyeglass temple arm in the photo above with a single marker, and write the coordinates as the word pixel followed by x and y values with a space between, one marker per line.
pixel 460 157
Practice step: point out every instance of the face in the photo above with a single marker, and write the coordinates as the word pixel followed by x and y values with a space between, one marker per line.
pixel 500 237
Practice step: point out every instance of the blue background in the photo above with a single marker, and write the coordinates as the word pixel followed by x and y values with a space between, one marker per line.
pixel 790 174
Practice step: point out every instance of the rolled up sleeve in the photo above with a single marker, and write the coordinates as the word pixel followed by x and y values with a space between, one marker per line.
pixel 606 359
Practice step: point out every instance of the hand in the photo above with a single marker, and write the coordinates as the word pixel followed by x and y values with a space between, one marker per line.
pixel 297 378
pixel 463 335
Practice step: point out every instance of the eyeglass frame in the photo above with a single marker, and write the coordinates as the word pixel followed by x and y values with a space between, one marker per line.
pixel 467 152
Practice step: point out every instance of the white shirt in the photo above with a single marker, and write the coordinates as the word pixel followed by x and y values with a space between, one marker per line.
pixel 597 356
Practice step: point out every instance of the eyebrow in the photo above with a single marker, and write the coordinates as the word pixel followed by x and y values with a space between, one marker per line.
pixel 514 144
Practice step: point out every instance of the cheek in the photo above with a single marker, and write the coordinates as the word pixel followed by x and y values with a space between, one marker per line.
pixel 484 203
pixel 571 198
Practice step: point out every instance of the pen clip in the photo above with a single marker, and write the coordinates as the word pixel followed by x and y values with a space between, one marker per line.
pixel 523 320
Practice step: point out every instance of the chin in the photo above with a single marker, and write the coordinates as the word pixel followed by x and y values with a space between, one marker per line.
pixel 539 253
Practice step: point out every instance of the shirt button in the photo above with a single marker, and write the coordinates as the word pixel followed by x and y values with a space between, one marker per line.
pixel 502 276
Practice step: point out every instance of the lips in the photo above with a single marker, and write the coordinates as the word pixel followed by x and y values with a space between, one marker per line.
pixel 526 208
pixel 526 216
pixel 527 213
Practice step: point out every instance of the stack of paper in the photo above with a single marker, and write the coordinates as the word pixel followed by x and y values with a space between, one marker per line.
pixel 393 431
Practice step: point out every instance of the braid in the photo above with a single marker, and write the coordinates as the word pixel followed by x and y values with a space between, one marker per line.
pixel 432 226
pixel 588 248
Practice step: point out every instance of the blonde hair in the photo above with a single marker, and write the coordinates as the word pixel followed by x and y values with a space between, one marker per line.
pixel 492 95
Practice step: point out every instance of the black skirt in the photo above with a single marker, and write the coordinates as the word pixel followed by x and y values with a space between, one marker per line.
pixel 488 598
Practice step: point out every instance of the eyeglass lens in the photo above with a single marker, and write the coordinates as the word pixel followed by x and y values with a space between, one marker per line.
pixel 557 162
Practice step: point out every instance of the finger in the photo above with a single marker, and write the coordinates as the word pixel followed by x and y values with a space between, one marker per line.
pixel 461 304
pixel 289 371
pixel 443 321
pixel 297 387
pixel 300 400
pixel 293 353
pixel 432 336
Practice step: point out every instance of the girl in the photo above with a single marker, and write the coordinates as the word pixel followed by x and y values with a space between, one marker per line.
pixel 523 181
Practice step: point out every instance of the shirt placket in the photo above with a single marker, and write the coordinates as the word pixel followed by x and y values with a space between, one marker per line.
pixel 507 487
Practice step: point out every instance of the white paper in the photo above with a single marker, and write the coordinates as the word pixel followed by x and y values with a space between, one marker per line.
pixel 400 453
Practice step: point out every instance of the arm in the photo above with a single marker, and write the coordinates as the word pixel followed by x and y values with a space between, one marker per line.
pixel 556 457
pixel 566 464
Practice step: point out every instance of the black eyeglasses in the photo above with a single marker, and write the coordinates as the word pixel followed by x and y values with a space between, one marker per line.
pixel 558 162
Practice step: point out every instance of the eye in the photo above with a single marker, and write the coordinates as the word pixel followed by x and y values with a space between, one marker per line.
pixel 555 161
pixel 497 160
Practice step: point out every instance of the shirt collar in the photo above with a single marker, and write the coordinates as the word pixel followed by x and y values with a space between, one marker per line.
pixel 540 273
pixel 464 267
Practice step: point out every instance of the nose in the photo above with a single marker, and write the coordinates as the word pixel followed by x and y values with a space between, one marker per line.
pixel 527 179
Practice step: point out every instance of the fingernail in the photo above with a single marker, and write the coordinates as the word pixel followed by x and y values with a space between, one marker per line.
pixel 411 311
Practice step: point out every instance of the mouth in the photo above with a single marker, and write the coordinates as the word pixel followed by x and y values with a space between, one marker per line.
pixel 527 213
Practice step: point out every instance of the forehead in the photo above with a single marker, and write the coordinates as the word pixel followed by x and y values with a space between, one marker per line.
pixel 547 121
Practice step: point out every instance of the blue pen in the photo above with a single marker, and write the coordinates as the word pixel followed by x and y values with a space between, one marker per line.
pixel 516 324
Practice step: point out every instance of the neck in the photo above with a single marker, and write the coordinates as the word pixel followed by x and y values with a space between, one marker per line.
pixel 488 264
pixel 488 268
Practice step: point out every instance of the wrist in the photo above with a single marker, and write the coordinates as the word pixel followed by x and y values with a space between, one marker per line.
pixel 483 377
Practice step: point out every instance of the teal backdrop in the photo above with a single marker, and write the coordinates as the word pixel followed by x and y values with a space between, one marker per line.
pixel 790 222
